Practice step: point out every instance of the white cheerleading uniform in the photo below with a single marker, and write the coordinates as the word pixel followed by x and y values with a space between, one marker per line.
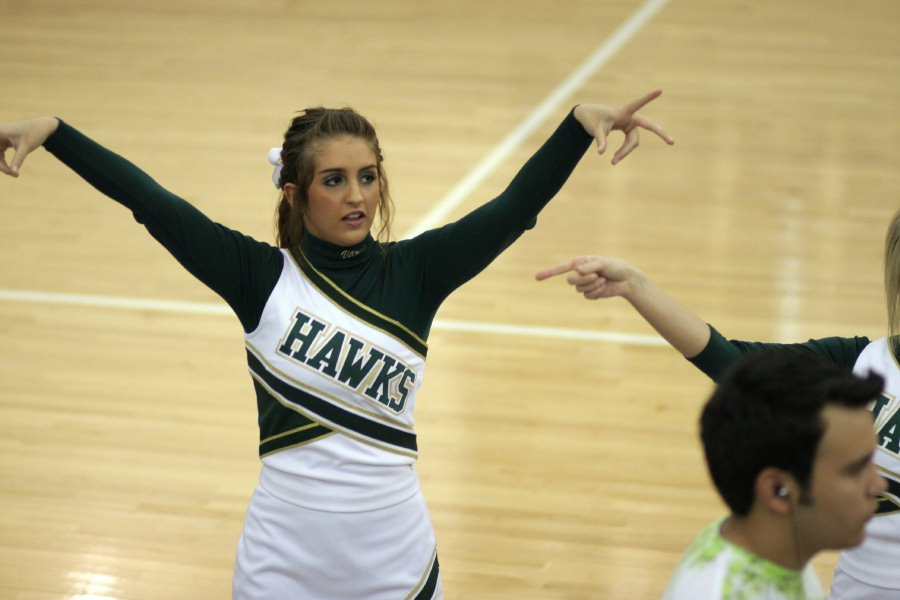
pixel 344 372
pixel 871 571
pixel 354 488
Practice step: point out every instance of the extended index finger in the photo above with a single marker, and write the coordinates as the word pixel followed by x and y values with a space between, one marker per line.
pixel 559 269
pixel 636 105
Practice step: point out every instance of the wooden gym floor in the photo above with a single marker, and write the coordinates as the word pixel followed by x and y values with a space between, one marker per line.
pixel 558 437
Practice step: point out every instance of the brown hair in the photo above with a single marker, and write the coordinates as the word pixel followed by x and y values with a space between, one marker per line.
pixel 892 274
pixel 301 141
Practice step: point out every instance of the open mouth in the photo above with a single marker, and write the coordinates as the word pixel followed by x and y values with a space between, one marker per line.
pixel 354 218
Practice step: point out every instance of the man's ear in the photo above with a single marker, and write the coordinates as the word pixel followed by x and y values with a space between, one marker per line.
pixel 775 490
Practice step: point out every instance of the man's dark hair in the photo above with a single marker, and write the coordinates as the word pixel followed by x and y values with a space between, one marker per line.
pixel 767 412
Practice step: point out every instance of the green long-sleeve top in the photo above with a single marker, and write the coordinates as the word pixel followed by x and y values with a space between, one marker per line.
pixel 719 352
pixel 404 280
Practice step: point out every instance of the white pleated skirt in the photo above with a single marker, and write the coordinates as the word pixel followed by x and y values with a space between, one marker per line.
pixel 290 552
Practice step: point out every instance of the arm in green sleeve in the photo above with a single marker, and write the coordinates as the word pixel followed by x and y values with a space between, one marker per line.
pixel 241 270
pixel 719 352
pixel 458 251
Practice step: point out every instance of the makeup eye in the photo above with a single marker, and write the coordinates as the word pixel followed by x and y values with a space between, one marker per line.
pixel 332 180
pixel 367 177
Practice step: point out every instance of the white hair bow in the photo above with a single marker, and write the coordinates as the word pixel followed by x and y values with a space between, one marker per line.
pixel 275 160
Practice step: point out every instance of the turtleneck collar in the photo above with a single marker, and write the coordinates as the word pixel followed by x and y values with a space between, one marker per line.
pixel 325 254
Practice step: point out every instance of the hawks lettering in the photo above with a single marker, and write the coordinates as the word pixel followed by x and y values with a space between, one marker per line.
pixel 887 422
pixel 301 336
pixel 381 388
pixel 349 361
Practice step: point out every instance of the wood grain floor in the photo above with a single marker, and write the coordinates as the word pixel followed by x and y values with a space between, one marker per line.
pixel 559 460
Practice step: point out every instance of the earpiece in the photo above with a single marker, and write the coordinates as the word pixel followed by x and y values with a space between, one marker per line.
pixel 782 492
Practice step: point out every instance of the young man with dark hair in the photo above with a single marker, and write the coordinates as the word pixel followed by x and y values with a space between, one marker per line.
pixel 788 441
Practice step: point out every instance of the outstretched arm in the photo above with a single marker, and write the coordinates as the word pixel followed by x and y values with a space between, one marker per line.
pixel 241 270
pixel 602 277
pixel 460 250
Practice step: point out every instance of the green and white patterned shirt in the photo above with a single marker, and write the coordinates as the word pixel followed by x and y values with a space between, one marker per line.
pixel 715 569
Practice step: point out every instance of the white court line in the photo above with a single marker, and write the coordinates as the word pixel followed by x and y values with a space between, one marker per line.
pixel 438 215
pixel 435 216
pixel 615 337
pixel 116 302
pixel 217 309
